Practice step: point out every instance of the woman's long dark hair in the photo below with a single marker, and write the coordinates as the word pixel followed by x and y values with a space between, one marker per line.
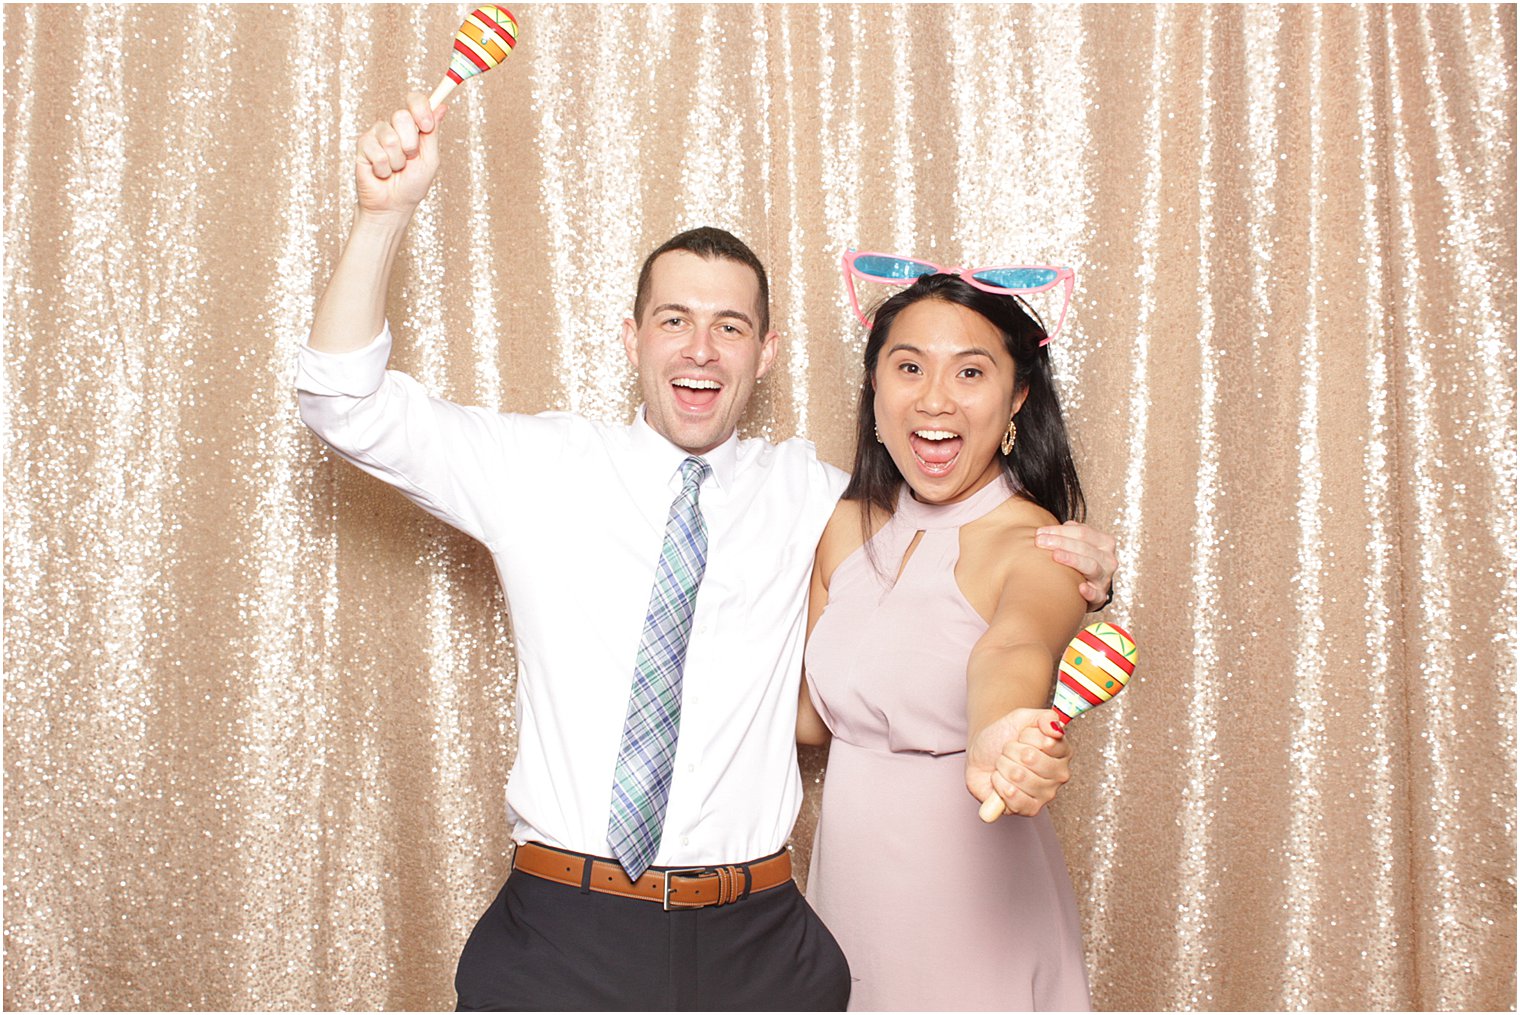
pixel 1040 465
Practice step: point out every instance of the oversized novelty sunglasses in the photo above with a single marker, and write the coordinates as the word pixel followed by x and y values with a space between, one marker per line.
pixel 1009 280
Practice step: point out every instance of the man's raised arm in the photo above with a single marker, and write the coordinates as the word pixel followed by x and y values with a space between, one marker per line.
pixel 395 164
pixel 449 459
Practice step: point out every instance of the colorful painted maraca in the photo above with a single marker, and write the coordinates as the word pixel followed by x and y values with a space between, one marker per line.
pixel 484 40
pixel 1096 666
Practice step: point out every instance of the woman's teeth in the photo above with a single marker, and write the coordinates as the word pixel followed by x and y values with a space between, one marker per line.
pixel 936 450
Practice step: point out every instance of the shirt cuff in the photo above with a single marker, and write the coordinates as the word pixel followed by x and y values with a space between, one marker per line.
pixel 357 374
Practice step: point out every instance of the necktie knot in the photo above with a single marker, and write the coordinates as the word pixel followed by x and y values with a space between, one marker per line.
pixel 694 472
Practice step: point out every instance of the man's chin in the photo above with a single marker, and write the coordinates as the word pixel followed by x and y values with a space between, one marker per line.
pixel 699 438
pixel 695 437
pixel 698 442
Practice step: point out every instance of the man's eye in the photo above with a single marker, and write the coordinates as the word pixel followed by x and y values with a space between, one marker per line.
pixel 671 322
pixel 972 372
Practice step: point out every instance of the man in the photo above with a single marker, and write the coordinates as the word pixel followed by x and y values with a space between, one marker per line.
pixel 655 781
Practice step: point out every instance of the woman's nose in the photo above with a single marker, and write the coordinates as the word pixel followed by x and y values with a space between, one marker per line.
pixel 934 396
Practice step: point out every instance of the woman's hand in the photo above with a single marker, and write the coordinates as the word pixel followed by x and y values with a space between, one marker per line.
pixel 1022 758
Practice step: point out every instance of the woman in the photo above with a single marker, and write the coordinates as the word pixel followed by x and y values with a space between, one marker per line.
pixel 934 621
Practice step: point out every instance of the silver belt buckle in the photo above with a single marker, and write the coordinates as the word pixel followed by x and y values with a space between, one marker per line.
pixel 683 872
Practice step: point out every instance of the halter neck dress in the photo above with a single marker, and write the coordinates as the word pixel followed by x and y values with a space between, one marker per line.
pixel 934 909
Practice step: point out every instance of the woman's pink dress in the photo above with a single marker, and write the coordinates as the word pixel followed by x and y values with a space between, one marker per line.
pixel 934 909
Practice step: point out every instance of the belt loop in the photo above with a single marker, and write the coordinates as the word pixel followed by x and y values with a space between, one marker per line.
pixel 735 891
pixel 748 880
pixel 586 875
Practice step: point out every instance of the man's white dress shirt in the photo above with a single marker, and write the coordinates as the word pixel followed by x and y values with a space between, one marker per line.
pixel 573 512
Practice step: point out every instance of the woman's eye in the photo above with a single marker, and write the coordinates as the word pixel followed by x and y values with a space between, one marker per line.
pixel 908 368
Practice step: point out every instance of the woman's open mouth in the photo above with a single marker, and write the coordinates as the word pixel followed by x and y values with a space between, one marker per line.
pixel 936 450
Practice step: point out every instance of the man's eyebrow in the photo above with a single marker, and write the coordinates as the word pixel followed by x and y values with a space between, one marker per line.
pixel 681 309
pixel 741 315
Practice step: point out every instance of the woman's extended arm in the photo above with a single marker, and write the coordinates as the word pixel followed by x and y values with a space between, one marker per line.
pixel 1010 673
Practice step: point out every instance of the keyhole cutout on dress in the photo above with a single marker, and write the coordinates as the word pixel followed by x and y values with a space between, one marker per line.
pixel 918 537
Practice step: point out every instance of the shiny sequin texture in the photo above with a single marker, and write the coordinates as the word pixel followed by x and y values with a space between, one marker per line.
pixel 258 710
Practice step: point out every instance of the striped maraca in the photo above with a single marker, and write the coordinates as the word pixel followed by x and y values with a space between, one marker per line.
pixel 1096 666
pixel 484 40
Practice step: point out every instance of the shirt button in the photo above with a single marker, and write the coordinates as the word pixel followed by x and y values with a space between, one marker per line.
pixel 691 768
pixel 686 840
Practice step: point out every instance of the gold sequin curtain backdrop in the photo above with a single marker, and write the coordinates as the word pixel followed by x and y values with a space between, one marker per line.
pixel 259 710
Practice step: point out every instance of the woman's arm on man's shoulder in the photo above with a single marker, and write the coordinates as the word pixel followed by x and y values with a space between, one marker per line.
pixel 841 537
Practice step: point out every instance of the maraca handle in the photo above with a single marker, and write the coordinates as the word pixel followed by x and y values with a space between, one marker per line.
pixel 441 92
pixel 992 808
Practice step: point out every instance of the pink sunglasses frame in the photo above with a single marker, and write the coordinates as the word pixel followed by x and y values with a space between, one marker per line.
pixel 1064 275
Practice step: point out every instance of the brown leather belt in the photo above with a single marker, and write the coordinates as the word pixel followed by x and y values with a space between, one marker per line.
pixel 672 887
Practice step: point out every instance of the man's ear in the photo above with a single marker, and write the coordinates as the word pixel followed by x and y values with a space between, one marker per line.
pixel 631 341
pixel 769 346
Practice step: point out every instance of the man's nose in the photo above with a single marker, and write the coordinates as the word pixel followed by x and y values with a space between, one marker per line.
pixel 700 348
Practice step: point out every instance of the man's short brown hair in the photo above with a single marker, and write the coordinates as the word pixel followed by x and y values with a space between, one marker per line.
pixel 711 243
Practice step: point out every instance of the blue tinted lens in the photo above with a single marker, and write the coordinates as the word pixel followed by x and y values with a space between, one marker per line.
pixel 1017 278
pixel 892 267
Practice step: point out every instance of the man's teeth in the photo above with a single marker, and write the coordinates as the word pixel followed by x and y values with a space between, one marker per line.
pixel 935 435
pixel 687 382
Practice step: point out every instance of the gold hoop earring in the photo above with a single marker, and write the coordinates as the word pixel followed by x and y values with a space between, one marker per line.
pixel 1009 437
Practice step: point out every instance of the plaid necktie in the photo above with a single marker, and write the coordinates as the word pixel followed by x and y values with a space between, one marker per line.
pixel 641 784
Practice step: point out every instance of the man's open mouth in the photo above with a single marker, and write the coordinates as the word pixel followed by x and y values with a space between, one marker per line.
pixel 695 394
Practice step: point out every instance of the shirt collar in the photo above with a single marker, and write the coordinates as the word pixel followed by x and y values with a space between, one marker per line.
pixel 723 459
